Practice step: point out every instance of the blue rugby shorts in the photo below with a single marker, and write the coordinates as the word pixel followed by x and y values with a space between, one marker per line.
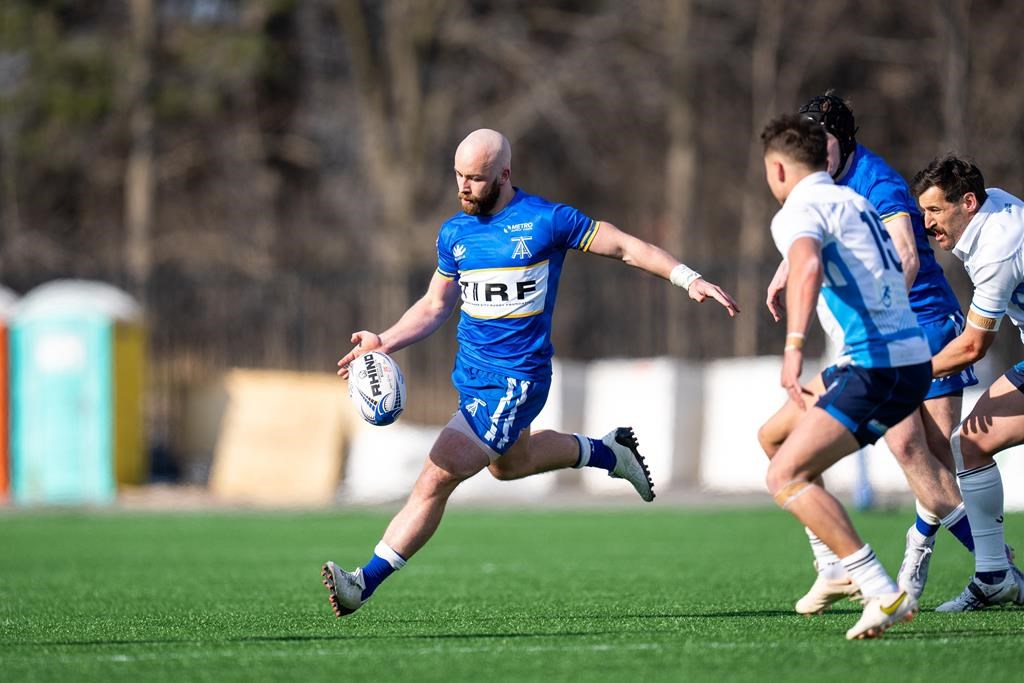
pixel 870 400
pixel 497 407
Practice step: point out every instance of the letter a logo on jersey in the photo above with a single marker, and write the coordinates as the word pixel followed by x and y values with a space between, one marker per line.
pixel 521 250
pixel 473 405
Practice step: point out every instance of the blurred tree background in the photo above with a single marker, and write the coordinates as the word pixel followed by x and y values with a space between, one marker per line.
pixel 268 176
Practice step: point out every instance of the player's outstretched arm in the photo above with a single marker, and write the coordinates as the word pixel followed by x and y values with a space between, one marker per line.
pixel 419 322
pixel 614 243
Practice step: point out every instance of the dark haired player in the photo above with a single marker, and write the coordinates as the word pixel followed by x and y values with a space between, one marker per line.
pixel 921 442
pixel 984 228
pixel 831 237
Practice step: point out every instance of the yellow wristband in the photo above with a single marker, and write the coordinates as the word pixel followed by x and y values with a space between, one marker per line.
pixel 794 340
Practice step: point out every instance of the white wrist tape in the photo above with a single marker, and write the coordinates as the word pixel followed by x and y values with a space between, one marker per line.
pixel 683 276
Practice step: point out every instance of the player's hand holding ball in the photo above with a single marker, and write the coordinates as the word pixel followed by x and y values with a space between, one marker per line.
pixel 377 387
pixel 375 382
pixel 364 341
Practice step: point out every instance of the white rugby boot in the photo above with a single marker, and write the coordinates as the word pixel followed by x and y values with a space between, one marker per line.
pixel 346 588
pixel 825 592
pixel 979 595
pixel 629 464
pixel 913 572
pixel 882 612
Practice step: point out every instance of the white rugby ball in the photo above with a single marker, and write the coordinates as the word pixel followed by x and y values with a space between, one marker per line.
pixel 376 385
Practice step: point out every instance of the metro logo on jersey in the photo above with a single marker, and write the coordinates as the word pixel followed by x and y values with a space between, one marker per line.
pixel 504 292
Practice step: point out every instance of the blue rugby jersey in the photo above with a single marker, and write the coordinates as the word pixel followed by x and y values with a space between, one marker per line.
pixel 931 296
pixel 508 266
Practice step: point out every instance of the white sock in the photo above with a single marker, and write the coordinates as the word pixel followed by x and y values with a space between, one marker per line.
pixel 927 515
pixel 386 553
pixel 982 489
pixel 868 573
pixel 823 555
pixel 955 516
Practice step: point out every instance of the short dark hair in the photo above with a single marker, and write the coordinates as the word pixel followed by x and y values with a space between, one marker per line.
pixel 954 176
pixel 798 138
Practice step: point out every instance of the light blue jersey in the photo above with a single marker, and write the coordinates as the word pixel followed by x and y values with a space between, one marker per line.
pixel 931 297
pixel 508 266
pixel 863 302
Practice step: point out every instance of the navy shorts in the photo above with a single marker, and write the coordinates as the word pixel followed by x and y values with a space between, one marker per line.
pixel 498 407
pixel 1016 376
pixel 870 400
pixel 939 334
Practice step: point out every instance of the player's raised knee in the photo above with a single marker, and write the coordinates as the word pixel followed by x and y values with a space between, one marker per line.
pixel 767 438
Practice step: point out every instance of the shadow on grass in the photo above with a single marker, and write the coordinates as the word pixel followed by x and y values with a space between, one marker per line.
pixel 967 633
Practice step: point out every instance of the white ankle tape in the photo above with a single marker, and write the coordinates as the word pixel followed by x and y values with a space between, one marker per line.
pixel 387 553
pixel 584 443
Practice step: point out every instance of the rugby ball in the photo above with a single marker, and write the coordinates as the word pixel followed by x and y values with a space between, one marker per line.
pixel 376 386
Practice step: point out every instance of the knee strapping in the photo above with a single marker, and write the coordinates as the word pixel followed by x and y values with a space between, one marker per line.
pixel 785 496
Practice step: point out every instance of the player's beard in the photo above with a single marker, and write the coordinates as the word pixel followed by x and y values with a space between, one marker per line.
pixel 482 204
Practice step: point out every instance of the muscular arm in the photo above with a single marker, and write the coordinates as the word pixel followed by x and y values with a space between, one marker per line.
pixel 970 347
pixel 802 287
pixel 614 243
pixel 901 230
pixel 803 283
pixel 419 322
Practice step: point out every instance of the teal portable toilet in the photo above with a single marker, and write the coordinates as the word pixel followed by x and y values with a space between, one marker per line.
pixel 76 417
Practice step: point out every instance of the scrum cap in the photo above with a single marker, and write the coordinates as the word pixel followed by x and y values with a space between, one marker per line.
pixel 837 118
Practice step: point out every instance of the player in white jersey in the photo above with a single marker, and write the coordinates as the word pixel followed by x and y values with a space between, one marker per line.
pixel 840 259
pixel 920 443
pixel 984 228
pixel 501 256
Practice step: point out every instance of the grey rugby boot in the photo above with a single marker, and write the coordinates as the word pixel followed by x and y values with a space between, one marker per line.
pixel 979 595
pixel 346 588
pixel 629 464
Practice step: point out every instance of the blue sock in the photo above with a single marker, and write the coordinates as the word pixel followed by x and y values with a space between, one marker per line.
pixel 991 577
pixel 374 572
pixel 962 531
pixel 594 454
pixel 927 530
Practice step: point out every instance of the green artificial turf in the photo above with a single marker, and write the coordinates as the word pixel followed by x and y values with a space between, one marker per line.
pixel 647 593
